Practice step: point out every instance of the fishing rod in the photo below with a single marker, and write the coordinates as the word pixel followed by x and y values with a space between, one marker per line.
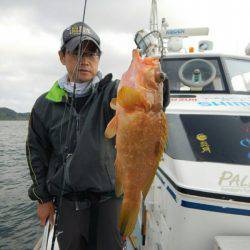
pixel 66 153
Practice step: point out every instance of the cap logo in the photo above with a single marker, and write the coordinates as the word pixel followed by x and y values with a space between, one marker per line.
pixel 77 30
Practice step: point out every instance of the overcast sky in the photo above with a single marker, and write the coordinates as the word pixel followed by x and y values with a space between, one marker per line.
pixel 30 34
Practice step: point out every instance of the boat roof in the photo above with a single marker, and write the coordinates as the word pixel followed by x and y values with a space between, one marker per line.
pixel 200 55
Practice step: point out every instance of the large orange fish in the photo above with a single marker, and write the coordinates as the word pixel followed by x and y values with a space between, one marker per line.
pixel 141 132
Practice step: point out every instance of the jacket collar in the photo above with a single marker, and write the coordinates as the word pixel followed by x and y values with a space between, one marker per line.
pixel 56 94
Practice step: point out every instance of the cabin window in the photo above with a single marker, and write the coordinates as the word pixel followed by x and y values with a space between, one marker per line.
pixel 209 138
pixel 172 65
pixel 239 72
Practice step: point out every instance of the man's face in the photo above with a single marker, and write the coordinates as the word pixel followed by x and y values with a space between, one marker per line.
pixel 88 65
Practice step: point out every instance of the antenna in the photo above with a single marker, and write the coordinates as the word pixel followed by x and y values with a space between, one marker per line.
pixel 153 16
pixel 152 43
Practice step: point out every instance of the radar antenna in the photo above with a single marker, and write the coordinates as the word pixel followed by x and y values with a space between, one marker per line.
pixel 153 16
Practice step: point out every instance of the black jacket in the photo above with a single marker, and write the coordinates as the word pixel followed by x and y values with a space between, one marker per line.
pixel 91 167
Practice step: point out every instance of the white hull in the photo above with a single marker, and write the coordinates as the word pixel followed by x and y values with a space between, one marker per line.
pixel 173 226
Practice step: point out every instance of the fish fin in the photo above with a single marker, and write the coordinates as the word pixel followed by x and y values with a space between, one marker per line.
pixel 118 179
pixel 164 136
pixel 129 97
pixel 111 128
pixel 113 103
pixel 160 146
pixel 147 186
pixel 129 213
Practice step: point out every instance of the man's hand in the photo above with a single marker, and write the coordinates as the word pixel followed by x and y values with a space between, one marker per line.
pixel 45 211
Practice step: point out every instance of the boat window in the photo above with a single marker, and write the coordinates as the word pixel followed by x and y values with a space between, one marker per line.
pixel 239 72
pixel 171 67
pixel 209 138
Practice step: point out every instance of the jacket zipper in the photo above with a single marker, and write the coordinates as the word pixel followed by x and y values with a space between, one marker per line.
pixel 77 127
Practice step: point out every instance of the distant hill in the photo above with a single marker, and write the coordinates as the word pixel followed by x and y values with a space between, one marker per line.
pixel 9 114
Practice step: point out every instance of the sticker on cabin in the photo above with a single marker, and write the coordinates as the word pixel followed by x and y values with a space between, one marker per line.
pixel 183 99
pixel 245 143
pixel 201 137
pixel 205 147
pixel 245 129
pixel 224 104
pixel 230 181
pixel 225 99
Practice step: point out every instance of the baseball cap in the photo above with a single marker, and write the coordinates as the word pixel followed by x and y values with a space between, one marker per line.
pixel 71 36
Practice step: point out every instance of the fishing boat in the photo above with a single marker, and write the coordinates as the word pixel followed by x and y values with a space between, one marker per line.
pixel 202 186
pixel 200 197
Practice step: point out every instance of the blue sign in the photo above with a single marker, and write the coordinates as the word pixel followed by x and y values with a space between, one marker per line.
pixel 245 143
pixel 225 104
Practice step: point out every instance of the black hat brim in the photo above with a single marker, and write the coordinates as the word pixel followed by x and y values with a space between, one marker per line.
pixel 72 44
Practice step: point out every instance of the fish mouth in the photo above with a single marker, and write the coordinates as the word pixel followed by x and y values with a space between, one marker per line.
pixel 160 76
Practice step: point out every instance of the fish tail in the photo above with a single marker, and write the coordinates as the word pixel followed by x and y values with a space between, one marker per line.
pixel 129 213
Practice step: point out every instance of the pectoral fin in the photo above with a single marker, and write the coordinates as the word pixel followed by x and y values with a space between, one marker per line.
pixel 113 103
pixel 129 98
pixel 111 128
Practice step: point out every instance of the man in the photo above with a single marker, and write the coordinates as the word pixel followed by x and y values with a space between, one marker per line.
pixel 56 131
pixel 67 152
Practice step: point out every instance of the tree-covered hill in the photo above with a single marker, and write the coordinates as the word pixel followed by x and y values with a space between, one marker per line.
pixel 9 114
